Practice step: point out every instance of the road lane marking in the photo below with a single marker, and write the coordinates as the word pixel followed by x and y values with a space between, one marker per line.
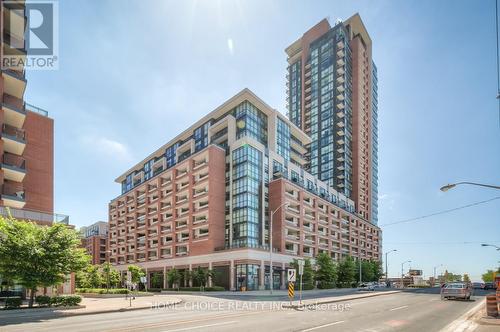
pixel 160 324
pixel 397 308
pixel 321 326
pixel 202 326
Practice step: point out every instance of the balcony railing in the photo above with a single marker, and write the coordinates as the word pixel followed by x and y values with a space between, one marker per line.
pixel 14 161
pixel 35 109
pixel 34 215
pixel 13 132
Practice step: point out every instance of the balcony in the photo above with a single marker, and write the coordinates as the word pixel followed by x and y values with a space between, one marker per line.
pixel 14 111
pixel 14 139
pixel 13 196
pixel 14 167
pixel 14 83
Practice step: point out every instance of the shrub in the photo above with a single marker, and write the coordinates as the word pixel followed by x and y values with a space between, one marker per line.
pixel 13 302
pixel 326 285
pixel 71 300
pixel 197 289
pixel 102 291
pixel 43 300
pixel 56 301
pixel 156 290
pixel 307 286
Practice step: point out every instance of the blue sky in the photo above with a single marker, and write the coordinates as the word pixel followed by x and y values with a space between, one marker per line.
pixel 133 74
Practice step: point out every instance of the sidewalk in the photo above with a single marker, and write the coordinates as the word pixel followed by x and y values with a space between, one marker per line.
pixel 90 306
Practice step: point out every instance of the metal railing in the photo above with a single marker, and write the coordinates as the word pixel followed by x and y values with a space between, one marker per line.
pixel 35 109
pixel 34 215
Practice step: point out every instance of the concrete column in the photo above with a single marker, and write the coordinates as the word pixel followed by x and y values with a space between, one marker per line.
pixel 283 277
pixel 210 281
pixel 165 284
pixel 232 285
pixel 190 279
pixel 262 276
pixel 147 277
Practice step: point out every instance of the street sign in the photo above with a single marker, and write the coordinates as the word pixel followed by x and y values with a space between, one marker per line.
pixel 143 280
pixel 291 275
pixel 300 262
pixel 291 291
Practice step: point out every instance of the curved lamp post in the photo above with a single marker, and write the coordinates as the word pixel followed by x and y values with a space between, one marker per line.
pixel 453 185
pixel 490 245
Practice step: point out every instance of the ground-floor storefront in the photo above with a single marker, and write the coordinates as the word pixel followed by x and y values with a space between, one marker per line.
pixel 236 270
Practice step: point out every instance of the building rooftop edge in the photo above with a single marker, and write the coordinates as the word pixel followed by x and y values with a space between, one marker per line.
pixel 245 94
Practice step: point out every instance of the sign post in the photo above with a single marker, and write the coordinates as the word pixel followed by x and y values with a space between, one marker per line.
pixel 144 280
pixel 300 262
pixel 291 277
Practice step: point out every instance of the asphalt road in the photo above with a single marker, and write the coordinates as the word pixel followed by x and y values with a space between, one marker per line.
pixel 407 311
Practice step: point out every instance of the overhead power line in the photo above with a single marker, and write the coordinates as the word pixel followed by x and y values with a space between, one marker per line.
pixel 441 212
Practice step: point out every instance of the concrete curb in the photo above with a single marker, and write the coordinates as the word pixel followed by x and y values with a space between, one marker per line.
pixel 466 321
pixel 40 309
pixel 337 299
pixel 64 313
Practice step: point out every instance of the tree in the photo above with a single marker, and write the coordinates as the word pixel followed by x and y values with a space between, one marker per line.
pixel 173 277
pixel 308 275
pixel 136 273
pixel 94 276
pixel 39 256
pixel 106 273
pixel 346 272
pixel 367 272
pixel 378 272
pixel 466 278
pixel 488 276
pixel 114 278
pixel 326 273
pixel 157 280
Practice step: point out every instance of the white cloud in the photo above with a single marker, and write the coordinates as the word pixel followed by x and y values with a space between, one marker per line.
pixel 107 147
pixel 230 46
pixel 387 200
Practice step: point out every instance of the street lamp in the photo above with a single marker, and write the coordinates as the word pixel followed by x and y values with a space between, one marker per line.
pixel 402 264
pixel 386 270
pixel 453 185
pixel 271 281
pixel 435 267
pixel 490 245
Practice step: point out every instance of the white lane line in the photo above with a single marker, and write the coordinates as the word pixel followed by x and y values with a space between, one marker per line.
pixel 321 326
pixel 402 307
pixel 202 326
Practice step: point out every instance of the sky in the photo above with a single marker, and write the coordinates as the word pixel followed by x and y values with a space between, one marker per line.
pixel 134 74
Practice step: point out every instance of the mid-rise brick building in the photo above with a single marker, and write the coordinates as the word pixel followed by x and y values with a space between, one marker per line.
pixel 95 241
pixel 205 199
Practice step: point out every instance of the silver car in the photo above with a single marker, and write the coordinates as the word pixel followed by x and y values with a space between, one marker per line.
pixel 456 290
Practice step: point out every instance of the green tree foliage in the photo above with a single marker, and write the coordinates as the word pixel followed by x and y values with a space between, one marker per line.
pixel 326 273
pixel 173 277
pixel 488 276
pixel 367 274
pixel 157 280
pixel 308 276
pixel 346 272
pixel 136 273
pixel 466 278
pixel 39 256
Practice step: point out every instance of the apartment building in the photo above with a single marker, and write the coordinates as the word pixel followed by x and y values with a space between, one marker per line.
pixel 27 135
pixel 332 96
pixel 205 198
pixel 95 241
